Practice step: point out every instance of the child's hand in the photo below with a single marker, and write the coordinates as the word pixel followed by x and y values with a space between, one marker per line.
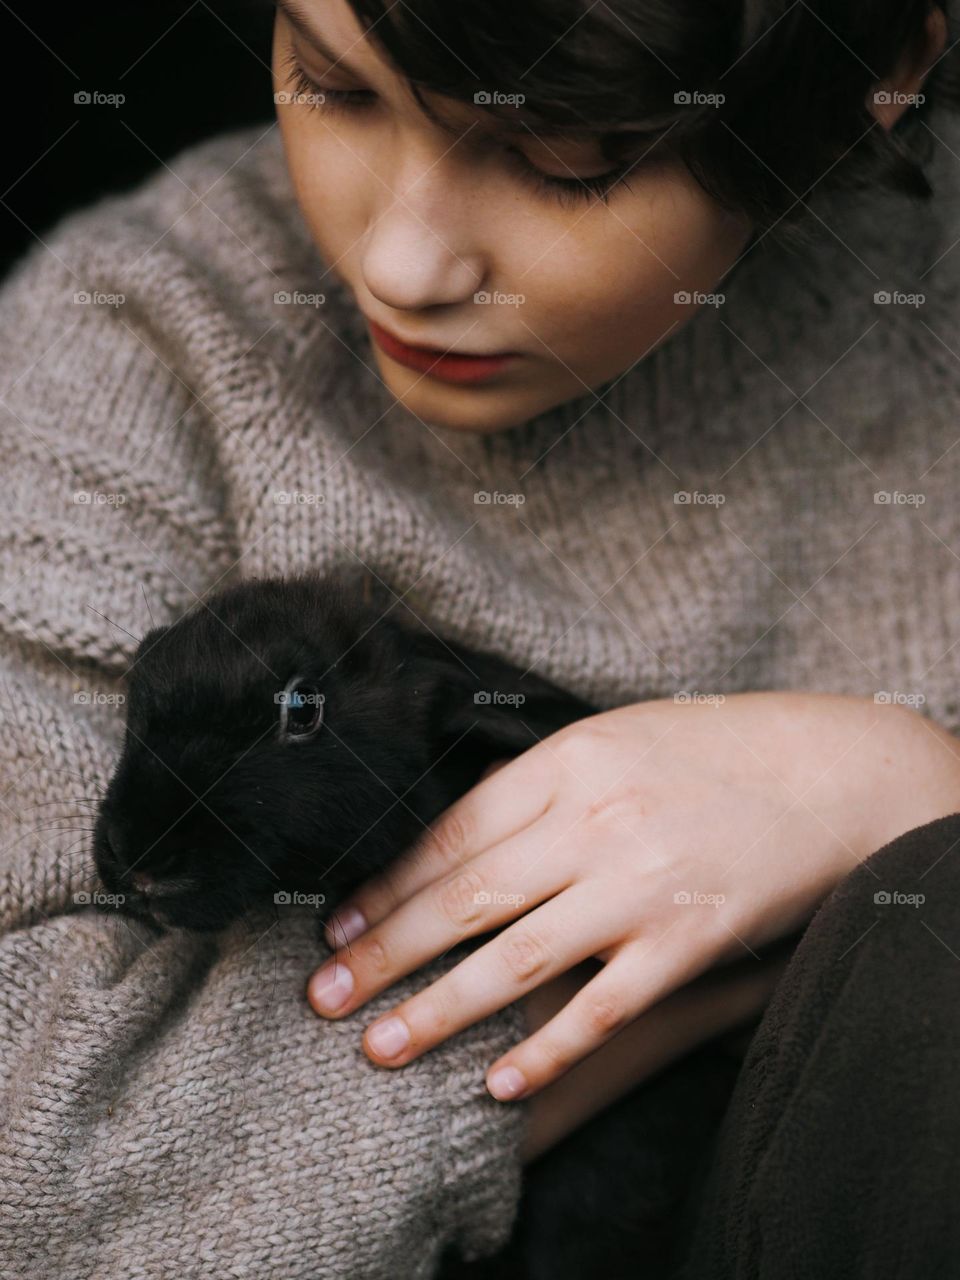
pixel 660 838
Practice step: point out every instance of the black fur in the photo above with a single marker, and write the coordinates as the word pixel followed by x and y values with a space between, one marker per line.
pixel 223 812
pixel 210 801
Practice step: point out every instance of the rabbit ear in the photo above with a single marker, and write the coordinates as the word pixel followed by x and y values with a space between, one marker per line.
pixel 492 701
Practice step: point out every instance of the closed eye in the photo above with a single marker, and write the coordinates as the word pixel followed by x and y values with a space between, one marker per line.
pixel 316 97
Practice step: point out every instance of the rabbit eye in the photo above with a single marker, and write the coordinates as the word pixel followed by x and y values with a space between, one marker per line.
pixel 301 709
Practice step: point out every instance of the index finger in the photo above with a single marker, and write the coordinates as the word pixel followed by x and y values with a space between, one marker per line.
pixel 503 803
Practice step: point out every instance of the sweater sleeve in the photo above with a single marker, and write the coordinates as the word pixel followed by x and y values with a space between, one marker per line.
pixel 110 518
pixel 171 1105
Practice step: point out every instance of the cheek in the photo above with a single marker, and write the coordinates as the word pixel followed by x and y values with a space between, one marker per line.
pixel 323 173
pixel 604 292
pixel 322 169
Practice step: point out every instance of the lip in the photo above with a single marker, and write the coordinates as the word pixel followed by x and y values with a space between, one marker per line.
pixel 447 366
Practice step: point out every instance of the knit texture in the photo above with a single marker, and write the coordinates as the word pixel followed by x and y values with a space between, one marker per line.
pixel 173 1107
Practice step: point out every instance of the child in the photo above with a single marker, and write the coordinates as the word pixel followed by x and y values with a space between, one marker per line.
pixel 591 353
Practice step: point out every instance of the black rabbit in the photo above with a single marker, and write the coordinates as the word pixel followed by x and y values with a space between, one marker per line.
pixel 295 734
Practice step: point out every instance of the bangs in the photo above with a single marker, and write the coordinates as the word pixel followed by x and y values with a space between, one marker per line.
pixel 554 67
pixel 763 101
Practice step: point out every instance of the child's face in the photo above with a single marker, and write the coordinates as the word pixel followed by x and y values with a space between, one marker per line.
pixel 416 223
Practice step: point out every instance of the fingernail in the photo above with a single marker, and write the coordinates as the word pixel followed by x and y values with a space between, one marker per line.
pixel 344 926
pixel 331 986
pixel 506 1083
pixel 388 1038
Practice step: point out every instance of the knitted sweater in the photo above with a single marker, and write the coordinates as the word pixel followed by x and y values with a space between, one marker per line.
pixel 173 1107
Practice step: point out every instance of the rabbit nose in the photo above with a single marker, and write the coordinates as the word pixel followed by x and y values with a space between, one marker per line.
pixel 141 881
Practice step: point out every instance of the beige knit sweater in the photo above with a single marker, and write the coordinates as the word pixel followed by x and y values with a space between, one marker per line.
pixel 174 1108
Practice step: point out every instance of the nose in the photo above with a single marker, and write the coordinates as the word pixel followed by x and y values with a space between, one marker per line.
pixel 414 257
pixel 140 881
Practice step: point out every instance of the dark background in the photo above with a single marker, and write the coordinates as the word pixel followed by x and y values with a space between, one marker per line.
pixel 188 69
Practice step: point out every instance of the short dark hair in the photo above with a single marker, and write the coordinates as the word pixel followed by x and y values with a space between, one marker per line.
pixel 794 75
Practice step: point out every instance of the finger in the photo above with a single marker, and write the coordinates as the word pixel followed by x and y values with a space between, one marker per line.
pixel 501 805
pixel 634 981
pixel 545 943
pixel 496 887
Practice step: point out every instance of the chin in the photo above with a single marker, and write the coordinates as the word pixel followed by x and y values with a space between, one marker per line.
pixel 482 409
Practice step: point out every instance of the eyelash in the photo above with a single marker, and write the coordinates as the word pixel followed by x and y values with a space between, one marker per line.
pixel 574 190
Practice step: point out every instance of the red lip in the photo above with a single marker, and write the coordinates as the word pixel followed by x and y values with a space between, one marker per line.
pixel 448 367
